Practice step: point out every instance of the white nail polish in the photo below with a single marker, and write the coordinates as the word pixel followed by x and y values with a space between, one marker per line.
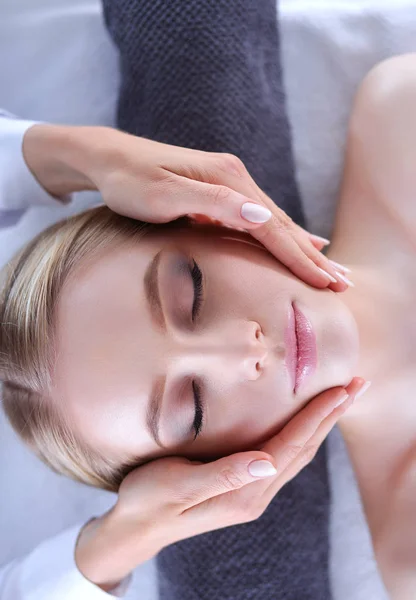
pixel 343 398
pixel 363 389
pixel 261 468
pixel 344 279
pixel 328 275
pixel 321 239
pixel 338 266
pixel 255 213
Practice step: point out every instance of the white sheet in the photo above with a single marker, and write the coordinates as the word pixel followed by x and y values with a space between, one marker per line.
pixel 58 64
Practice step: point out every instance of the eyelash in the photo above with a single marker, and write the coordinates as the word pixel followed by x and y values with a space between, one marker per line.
pixel 199 413
pixel 196 275
pixel 198 288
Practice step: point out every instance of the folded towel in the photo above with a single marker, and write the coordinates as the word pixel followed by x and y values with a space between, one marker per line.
pixel 207 75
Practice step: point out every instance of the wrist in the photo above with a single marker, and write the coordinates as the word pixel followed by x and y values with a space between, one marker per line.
pixel 102 555
pixel 58 157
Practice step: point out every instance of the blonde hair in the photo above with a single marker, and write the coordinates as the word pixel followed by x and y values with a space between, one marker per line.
pixel 31 286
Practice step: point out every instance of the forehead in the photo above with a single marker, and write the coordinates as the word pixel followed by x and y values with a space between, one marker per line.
pixel 101 325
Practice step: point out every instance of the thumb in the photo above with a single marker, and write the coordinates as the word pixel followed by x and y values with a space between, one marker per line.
pixel 227 474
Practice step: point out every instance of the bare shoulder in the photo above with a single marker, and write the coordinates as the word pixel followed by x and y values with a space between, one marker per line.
pixel 387 81
pixel 383 129
pixel 378 191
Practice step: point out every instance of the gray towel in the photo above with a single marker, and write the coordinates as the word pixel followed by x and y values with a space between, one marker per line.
pixel 207 75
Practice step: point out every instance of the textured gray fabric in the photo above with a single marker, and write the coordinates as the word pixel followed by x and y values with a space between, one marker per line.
pixel 207 75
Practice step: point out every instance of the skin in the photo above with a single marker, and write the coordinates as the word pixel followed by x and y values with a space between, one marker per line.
pixel 112 352
pixel 374 235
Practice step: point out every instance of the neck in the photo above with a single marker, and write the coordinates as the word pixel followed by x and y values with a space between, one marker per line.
pixel 378 305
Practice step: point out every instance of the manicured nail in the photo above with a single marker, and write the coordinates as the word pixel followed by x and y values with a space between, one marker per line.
pixel 255 213
pixel 363 389
pixel 328 275
pixel 321 239
pixel 344 279
pixel 341 400
pixel 261 468
pixel 341 267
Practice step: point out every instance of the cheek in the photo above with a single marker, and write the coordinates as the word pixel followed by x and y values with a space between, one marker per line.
pixel 243 421
pixel 250 289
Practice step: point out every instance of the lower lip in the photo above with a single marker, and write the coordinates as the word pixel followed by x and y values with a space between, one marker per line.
pixel 301 350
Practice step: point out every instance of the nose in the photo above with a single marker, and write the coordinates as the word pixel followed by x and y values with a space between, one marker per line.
pixel 253 353
pixel 234 352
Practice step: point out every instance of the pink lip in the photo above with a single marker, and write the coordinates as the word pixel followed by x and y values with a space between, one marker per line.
pixel 301 351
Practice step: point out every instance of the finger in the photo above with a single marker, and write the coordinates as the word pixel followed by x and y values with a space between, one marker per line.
pixel 267 223
pixel 287 445
pixel 221 203
pixel 203 219
pixel 251 501
pixel 296 252
pixel 339 267
pixel 289 442
pixel 312 446
pixel 339 282
pixel 308 242
pixel 318 241
pixel 312 245
pixel 308 451
pixel 321 260
pixel 222 476
pixel 246 502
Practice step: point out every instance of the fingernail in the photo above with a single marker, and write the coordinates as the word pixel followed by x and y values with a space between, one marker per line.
pixel 255 213
pixel 321 239
pixel 341 400
pixel 363 389
pixel 344 279
pixel 338 266
pixel 328 275
pixel 261 468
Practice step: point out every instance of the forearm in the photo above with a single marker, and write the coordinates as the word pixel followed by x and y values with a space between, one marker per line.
pixel 60 157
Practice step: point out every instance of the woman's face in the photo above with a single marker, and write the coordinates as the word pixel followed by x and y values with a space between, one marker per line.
pixel 188 324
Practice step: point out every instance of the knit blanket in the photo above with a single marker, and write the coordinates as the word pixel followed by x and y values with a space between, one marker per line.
pixel 207 75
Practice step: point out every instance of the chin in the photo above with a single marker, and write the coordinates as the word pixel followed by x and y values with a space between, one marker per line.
pixel 340 358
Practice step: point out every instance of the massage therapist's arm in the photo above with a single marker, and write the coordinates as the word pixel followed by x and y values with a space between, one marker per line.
pixel 167 500
pixel 42 164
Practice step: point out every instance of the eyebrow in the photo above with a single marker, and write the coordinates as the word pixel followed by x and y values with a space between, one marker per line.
pixel 153 409
pixel 151 289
